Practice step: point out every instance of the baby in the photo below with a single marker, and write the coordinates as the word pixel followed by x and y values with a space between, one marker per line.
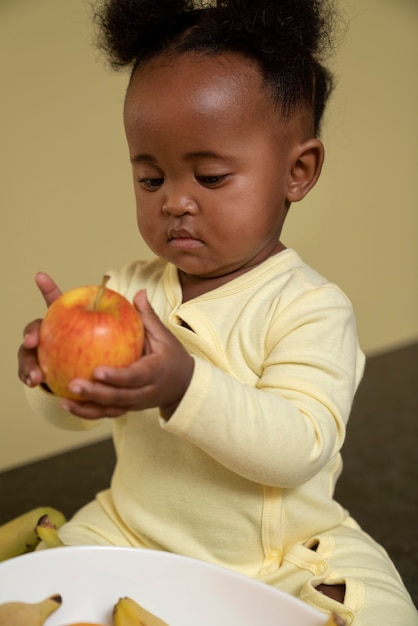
pixel 228 430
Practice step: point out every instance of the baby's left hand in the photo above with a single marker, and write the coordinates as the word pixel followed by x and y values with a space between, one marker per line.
pixel 158 379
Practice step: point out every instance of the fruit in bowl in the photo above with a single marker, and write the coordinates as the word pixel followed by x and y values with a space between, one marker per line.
pixel 85 328
pixel 28 614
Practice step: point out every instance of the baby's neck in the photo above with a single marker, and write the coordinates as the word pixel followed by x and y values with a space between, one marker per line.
pixel 195 286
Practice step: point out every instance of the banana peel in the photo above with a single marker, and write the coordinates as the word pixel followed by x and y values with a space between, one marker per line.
pixel 25 614
pixel 18 536
pixel 47 532
pixel 127 612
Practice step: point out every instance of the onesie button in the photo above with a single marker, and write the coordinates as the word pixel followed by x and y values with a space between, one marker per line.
pixel 321 568
pixel 275 555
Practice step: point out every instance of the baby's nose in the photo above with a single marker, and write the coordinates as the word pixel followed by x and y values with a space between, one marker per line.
pixel 179 203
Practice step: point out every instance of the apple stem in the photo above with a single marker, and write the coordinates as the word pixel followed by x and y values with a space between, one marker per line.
pixel 100 291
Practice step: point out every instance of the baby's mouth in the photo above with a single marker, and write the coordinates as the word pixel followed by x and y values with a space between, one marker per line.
pixel 182 238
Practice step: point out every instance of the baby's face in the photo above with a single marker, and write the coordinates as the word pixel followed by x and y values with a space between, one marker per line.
pixel 212 163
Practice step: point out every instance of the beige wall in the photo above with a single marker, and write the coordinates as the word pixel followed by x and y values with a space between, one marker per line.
pixel 67 205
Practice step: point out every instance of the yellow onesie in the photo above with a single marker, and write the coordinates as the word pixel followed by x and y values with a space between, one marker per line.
pixel 243 474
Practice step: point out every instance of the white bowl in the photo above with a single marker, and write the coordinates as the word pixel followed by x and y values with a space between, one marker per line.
pixel 179 590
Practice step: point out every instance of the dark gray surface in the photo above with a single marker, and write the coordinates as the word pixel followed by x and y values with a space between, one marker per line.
pixel 378 485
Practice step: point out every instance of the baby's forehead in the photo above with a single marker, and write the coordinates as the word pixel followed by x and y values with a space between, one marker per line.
pixel 208 84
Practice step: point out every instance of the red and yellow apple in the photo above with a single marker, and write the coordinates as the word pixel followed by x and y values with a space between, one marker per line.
pixel 85 328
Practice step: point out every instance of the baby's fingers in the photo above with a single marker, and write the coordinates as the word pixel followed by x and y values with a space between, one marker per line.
pixel 92 411
pixel 31 334
pixel 29 371
pixel 105 395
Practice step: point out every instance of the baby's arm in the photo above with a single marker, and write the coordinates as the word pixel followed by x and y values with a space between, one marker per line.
pixel 286 428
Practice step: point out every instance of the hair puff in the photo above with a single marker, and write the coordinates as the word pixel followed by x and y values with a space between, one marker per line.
pixel 288 39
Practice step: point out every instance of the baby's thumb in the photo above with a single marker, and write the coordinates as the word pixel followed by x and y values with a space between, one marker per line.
pixel 48 288
pixel 148 316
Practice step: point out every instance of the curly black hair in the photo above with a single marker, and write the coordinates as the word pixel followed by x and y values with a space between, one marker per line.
pixel 286 38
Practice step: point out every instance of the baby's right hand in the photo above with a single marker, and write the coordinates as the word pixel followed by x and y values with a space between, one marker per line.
pixel 28 370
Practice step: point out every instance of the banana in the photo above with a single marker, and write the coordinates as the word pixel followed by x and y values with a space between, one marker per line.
pixel 24 614
pixel 47 532
pixel 128 613
pixel 18 535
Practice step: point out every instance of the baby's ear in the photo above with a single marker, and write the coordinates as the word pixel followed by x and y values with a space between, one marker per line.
pixel 306 168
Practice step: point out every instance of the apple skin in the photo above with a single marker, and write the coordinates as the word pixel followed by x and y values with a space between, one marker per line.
pixel 83 329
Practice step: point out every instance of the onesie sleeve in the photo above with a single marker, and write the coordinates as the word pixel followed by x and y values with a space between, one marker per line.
pixel 48 406
pixel 286 428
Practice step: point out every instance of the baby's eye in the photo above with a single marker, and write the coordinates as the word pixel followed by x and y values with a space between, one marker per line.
pixel 211 181
pixel 151 184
